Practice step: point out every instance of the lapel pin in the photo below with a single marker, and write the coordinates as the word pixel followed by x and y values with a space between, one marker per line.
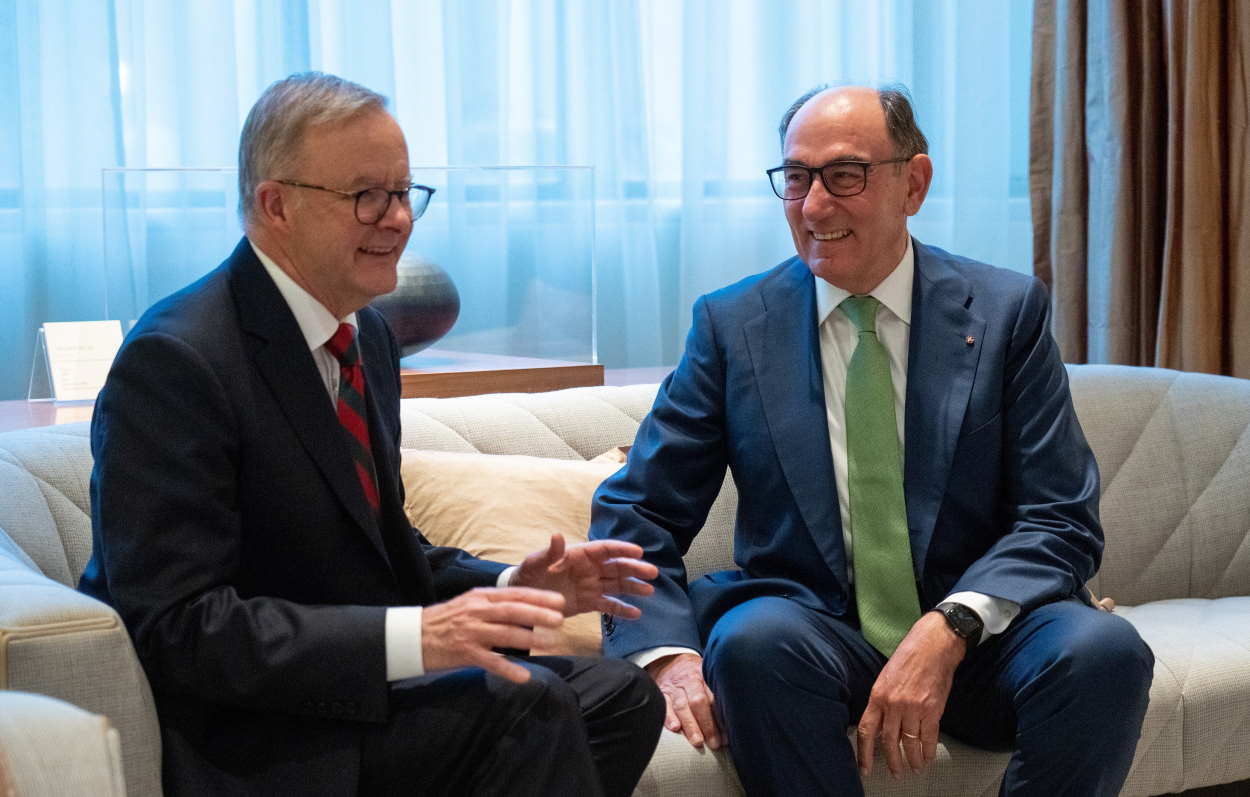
pixel 970 340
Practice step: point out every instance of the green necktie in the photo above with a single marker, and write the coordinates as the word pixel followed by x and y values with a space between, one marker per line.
pixel 885 584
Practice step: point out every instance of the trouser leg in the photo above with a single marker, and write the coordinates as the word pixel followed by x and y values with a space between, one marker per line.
pixel 1066 686
pixel 623 713
pixel 788 681
pixel 470 732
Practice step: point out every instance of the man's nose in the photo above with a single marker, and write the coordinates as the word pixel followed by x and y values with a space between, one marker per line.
pixel 818 201
pixel 398 216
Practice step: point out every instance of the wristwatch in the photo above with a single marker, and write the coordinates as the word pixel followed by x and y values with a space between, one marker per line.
pixel 963 621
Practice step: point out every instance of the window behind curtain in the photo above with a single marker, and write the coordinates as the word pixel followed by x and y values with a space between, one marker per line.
pixel 675 105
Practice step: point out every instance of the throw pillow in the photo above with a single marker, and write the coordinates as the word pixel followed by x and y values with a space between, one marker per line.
pixel 503 508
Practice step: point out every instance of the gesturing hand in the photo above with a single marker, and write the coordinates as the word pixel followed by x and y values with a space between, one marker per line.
pixel 462 631
pixel 907 701
pixel 688 702
pixel 588 574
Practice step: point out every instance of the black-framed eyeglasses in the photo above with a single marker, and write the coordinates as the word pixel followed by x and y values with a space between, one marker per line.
pixel 373 203
pixel 841 178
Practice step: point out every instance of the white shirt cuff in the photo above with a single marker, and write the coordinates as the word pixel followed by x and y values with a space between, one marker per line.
pixel 644 657
pixel 995 613
pixel 403 643
pixel 403 637
pixel 505 578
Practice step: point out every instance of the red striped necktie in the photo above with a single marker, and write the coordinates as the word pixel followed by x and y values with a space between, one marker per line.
pixel 351 408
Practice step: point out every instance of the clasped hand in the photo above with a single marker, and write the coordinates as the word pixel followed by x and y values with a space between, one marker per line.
pixel 548 586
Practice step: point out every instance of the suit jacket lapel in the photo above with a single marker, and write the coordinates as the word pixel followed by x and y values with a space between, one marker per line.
pixel 941 367
pixel 785 357
pixel 295 384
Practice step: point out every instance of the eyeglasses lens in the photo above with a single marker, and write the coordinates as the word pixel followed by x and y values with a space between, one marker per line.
pixel 843 180
pixel 792 183
pixel 371 205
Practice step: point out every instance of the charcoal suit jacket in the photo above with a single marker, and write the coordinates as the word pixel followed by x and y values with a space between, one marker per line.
pixel 1000 485
pixel 232 536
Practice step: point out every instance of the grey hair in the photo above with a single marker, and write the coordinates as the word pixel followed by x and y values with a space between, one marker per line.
pixel 275 126
pixel 900 120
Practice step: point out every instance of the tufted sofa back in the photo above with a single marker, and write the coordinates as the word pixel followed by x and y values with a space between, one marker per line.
pixel 580 423
pixel 1173 449
pixel 45 503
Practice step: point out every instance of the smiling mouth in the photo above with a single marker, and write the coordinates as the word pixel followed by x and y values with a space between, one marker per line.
pixel 377 250
pixel 831 236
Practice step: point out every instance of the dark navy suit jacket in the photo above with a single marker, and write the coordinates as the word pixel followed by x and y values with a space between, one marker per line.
pixel 233 538
pixel 1001 487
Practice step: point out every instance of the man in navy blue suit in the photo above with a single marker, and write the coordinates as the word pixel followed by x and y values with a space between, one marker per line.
pixel 300 637
pixel 917 504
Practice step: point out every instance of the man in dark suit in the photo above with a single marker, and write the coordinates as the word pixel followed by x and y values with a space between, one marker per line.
pixel 917 510
pixel 299 635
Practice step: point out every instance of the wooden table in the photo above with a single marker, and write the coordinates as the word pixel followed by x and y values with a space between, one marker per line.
pixel 442 374
pixel 27 414
pixel 433 373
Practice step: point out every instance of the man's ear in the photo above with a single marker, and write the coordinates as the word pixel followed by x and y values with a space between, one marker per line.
pixel 272 207
pixel 919 176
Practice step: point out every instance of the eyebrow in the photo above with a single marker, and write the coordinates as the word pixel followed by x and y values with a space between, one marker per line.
pixel 851 159
pixel 365 183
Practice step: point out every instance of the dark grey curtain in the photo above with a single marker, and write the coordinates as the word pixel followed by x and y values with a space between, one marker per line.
pixel 1138 176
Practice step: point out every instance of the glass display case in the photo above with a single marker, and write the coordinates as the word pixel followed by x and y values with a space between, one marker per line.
pixel 517 243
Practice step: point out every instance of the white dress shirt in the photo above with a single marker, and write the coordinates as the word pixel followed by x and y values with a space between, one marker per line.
pixel 838 339
pixel 403 623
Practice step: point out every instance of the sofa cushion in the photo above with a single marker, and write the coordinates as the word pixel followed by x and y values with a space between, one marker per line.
pixel 504 507
pixel 45 477
pixel 13 551
pixel 1202 657
pixel 50 748
pixel 57 641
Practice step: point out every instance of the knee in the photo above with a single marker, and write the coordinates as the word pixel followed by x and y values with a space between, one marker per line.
pixel 748 637
pixel 765 640
pixel 1107 663
pixel 1112 650
pixel 543 696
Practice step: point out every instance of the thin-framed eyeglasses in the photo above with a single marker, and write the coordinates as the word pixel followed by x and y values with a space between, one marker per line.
pixel 841 178
pixel 372 204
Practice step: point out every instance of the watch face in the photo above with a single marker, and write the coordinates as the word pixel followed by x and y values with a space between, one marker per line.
pixel 965 621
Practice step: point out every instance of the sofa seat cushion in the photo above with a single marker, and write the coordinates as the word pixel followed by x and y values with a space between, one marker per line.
pixel 1202 657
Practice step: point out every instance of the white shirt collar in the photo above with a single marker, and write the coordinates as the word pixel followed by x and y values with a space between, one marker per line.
pixel 894 291
pixel 316 322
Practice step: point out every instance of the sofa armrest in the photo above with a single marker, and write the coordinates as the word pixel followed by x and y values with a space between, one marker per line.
pixel 48 747
pixel 58 642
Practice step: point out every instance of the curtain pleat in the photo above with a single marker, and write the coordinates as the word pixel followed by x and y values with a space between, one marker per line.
pixel 1058 172
pixel 1237 226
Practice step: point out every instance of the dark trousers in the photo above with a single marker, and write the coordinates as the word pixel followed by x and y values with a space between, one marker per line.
pixel 1065 687
pixel 580 726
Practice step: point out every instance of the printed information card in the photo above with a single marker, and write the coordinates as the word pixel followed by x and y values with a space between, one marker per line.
pixel 79 356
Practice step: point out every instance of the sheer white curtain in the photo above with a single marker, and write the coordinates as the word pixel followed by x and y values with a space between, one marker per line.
pixel 675 105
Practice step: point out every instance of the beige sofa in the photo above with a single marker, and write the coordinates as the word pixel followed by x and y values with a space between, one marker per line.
pixel 50 748
pixel 1174 450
